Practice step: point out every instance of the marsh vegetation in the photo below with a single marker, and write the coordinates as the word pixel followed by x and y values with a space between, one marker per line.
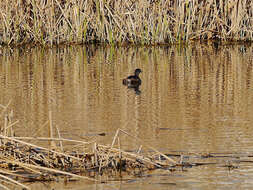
pixel 118 21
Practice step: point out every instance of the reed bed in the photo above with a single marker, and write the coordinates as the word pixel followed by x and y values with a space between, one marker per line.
pixel 49 22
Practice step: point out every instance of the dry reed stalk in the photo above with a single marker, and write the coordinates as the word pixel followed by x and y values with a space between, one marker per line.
pixel 61 145
pixel 5 125
pixel 4 187
pixel 42 148
pixel 95 162
pixel 5 108
pixel 13 181
pixel 149 146
pixel 11 173
pixel 12 124
pixel 41 127
pixel 139 149
pixel 53 139
pixel 114 138
pixel 28 168
pixel 48 169
pixel 51 133
pixel 2 106
pixel 142 158
pixel 120 152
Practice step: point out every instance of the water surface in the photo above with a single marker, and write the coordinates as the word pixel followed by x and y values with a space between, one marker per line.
pixel 193 99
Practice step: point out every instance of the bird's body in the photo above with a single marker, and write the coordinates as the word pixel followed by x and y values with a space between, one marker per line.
pixel 133 81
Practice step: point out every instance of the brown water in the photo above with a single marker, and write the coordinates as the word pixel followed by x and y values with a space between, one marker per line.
pixel 193 99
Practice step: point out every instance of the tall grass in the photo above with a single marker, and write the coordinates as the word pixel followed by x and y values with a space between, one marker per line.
pixel 49 22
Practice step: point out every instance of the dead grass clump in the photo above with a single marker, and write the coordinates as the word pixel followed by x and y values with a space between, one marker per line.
pixel 21 161
pixel 112 21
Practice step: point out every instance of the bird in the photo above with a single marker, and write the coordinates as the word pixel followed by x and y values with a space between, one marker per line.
pixel 133 81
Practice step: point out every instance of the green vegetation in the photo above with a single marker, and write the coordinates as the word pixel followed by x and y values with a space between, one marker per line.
pixel 49 22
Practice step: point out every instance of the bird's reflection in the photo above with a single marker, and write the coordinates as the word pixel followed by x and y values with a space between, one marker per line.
pixel 136 89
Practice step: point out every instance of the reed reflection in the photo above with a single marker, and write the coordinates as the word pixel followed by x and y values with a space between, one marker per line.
pixel 199 92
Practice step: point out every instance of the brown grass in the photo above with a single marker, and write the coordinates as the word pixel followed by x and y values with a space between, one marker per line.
pixel 119 21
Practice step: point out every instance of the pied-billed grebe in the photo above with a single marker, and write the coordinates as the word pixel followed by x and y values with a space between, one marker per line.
pixel 133 80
